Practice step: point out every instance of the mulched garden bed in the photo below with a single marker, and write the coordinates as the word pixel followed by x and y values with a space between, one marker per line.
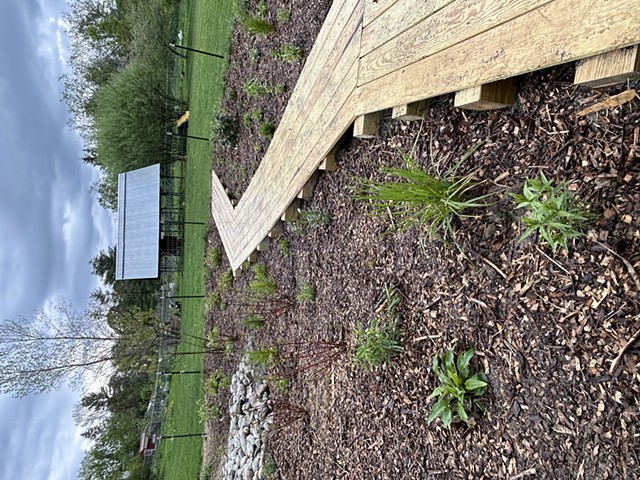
pixel 546 326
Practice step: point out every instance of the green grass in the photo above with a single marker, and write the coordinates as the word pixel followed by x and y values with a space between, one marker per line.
pixel 208 28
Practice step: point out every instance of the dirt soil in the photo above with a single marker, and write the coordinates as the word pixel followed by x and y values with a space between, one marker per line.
pixel 546 326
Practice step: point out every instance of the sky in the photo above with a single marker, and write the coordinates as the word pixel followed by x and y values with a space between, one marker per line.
pixel 50 225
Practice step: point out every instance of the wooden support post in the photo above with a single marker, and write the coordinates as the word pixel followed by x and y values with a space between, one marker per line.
pixel 329 163
pixel 291 213
pixel 253 257
pixel 264 244
pixel 609 68
pixel 366 126
pixel 276 230
pixel 412 111
pixel 490 96
pixel 307 191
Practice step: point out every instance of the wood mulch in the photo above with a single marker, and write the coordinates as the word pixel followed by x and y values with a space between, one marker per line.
pixel 546 326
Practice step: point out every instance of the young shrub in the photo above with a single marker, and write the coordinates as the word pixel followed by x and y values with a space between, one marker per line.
pixel 308 219
pixel 267 129
pixel 224 130
pixel 419 198
pixel 283 15
pixel 553 211
pixel 307 293
pixel 213 258
pixel 262 285
pixel 216 381
pixel 255 88
pixel 254 321
pixel 225 282
pixel 257 114
pixel 264 357
pixel 218 342
pixel 285 247
pixel 459 389
pixel 213 301
pixel 379 344
pixel 287 53
pixel 257 26
pixel 254 55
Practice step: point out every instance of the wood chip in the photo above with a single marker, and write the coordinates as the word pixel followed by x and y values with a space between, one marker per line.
pixel 611 102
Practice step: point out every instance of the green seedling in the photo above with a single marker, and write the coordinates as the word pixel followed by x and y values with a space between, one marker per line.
pixel 459 389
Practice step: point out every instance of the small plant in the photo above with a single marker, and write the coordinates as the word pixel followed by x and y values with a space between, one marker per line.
pixel 225 282
pixel 279 88
pixel 256 25
pixel 254 55
pixel 262 8
pixel 213 258
pixel 217 380
pixel 246 119
pixel 218 342
pixel 255 88
pixel 262 285
pixel 210 412
pixel 460 388
pixel 267 129
pixel 554 212
pixel 420 198
pixel 283 15
pixel 254 321
pixel 285 247
pixel 257 114
pixel 214 301
pixel 264 357
pixel 287 53
pixel 224 130
pixel 307 293
pixel 257 148
pixel 308 219
pixel 378 344
pixel 281 385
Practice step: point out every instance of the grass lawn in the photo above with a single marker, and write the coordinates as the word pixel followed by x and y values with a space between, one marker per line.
pixel 207 26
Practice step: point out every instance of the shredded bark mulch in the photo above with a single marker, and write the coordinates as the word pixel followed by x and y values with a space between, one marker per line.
pixel 546 326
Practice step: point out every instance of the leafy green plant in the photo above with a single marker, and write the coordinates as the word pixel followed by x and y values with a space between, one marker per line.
pixel 307 293
pixel 262 285
pixel 308 219
pixel 246 119
pixel 213 257
pixel 256 25
pixel 216 381
pixel 267 129
pixel 459 389
pixel 420 198
pixel 257 114
pixel 214 301
pixel 264 357
pixel 225 282
pixel 218 342
pixel 262 8
pixel 254 321
pixel 285 247
pixel 287 53
pixel 254 55
pixel 210 412
pixel 281 385
pixel 379 344
pixel 283 15
pixel 224 130
pixel 553 211
pixel 255 88
pixel 279 88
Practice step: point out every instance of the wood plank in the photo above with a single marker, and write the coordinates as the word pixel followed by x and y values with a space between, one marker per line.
pixel 343 51
pixel 367 125
pixel 609 68
pixel 411 112
pixel 453 24
pixel 329 163
pixel 276 230
pixel 509 50
pixel 395 20
pixel 490 96
pixel 290 213
pixel 374 8
pixel 306 193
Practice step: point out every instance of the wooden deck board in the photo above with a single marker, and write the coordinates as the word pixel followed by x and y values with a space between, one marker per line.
pixel 376 54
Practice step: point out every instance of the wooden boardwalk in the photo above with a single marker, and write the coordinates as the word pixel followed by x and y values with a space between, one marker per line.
pixel 371 55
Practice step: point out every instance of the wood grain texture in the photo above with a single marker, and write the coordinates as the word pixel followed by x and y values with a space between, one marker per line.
pixel 609 68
